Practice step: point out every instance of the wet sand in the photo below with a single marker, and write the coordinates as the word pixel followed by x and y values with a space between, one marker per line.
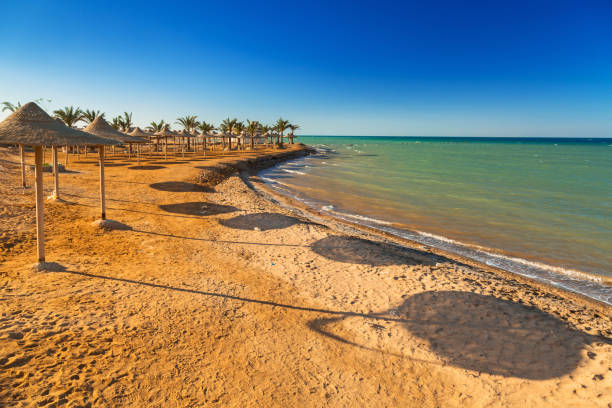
pixel 212 294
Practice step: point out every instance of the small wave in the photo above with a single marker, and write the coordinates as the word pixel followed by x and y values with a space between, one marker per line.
pixel 268 180
pixel 272 181
pixel 487 251
pixel 356 216
pixel 293 171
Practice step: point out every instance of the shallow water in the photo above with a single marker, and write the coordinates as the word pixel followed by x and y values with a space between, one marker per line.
pixel 539 207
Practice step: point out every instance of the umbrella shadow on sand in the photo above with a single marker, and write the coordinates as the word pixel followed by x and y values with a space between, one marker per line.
pixel 198 208
pixel 181 187
pixel 485 334
pixel 146 167
pixel 111 164
pixel 363 251
pixel 263 221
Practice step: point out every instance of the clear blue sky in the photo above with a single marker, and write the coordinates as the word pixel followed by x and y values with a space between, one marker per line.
pixel 535 68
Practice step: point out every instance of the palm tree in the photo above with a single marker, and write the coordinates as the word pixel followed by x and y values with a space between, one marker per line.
pixel 206 127
pixel 252 128
pixel 125 121
pixel 117 122
pixel 293 128
pixel 237 130
pixel 90 115
pixel 189 123
pixel 69 115
pixel 266 129
pixel 227 126
pixel 158 126
pixel 10 107
pixel 238 127
pixel 280 126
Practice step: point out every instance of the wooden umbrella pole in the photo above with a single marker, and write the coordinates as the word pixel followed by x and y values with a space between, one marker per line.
pixel 138 153
pixel 102 197
pixel 66 158
pixel 40 220
pixel 78 149
pixel 22 157
pixel 166 149
pixel 55 172
pixel 129 150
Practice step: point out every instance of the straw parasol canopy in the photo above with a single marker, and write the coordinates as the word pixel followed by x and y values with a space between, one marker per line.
pixel 32 126
pixel 100 127
pixel 138 132
pixel 185 133
pixel 164 133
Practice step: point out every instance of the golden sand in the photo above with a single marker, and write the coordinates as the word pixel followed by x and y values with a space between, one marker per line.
pixel 208 293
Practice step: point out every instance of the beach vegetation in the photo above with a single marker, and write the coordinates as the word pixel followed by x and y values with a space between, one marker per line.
pixel 227 127
pixel 158 126
pixel 292 128
pixel 69 115
pixel 8 106
pixel 205 127
pixel 280 127
pixel 253 127
pixel 125 121
pixel 12 107
pixel 116 123
pixel 90 115
pixel 189 123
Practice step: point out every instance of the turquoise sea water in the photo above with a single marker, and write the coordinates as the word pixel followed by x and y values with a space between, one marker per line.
pixel 540 207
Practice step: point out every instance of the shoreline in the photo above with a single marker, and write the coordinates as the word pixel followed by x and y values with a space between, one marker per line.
pixel 558 275
pixel 261 187
pixel 213 294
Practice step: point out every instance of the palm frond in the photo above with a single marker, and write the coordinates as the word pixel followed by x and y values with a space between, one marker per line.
pixel 69 115
pixel 10 107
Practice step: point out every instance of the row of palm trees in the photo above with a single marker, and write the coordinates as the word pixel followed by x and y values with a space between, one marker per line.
pixel 71 115
pixel 252 128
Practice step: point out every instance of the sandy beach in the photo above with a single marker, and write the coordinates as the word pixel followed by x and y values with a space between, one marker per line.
pixel 211 292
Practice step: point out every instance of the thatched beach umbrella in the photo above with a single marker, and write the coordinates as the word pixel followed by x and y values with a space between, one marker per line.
pixel 31 126
pixel 195 134
pixel 186 138
pixel 100 127
pixel 165 133
pixel 141 135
